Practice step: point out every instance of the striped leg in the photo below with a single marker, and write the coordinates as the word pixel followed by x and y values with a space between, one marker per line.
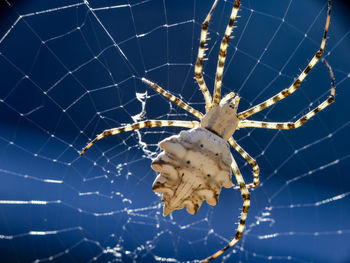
pixel 286 92
pixel 227 97
pixel 223 53
pixel 299 122
pixel 250 160
pixel 173 98
pixel 286 125
pixel 246 204
pixel 201 53
pixel 141 125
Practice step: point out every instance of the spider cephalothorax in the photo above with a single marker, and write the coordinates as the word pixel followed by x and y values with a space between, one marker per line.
pixel 222 119
pixel 197 163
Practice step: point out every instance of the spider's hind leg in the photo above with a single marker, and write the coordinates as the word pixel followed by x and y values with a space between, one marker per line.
pixel 250 160
pixel 141 125
pixel 246 204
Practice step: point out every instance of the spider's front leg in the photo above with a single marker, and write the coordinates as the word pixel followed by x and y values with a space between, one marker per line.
pixel 201 53
pixel 223 54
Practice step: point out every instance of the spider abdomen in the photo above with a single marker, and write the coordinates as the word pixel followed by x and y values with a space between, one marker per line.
pixel 193 167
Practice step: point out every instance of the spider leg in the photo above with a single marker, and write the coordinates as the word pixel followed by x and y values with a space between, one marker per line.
pixel 246 204
pixel 173 98
pixel 286 125
pixel 227 97
pixel 201 53
pixel 223 53
pixel 250 160
pixel 300 121
pixel 286 92
pixel 141 125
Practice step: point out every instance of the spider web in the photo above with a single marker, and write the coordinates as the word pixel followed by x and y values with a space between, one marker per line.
pixel 70 69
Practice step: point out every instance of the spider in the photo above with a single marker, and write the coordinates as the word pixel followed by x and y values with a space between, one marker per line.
pixel 197 163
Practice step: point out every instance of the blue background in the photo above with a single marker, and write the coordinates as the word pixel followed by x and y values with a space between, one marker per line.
pixel 64 79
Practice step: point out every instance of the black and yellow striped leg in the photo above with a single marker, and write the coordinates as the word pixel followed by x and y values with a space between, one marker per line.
pixel 250 160
pixel 223 53
pixel 286 92
pixel 173 98
pixel 227 97
pixel 141 125
pixel 299 122
pixel 246 204
pixel 286 125
pixel 201 53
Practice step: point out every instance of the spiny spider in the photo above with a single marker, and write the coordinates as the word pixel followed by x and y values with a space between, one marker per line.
pixel 197 163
